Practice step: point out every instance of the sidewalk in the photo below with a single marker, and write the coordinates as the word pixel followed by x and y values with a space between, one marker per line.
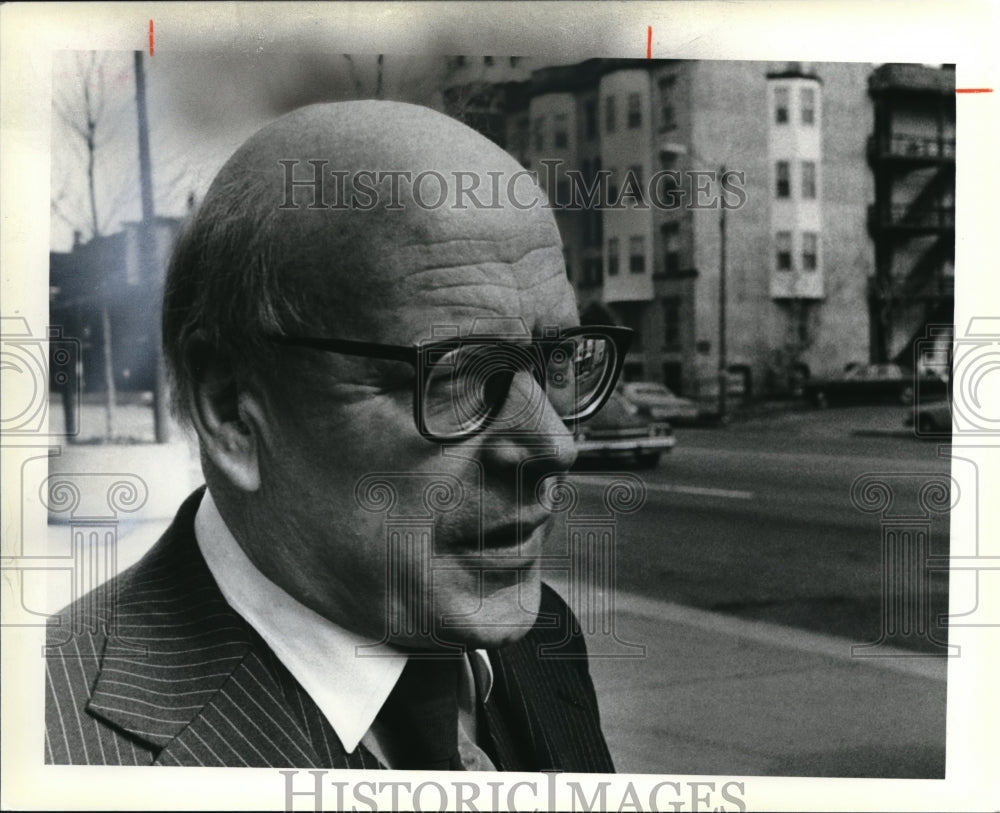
pixel 718 695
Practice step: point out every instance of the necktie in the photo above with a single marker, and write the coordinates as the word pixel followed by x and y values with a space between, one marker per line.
pixel 422 715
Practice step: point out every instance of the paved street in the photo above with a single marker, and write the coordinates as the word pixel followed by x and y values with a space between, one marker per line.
pixel 758 521
pixel 748 575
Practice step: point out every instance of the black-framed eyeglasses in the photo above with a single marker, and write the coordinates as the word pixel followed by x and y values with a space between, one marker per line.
pixel 465 385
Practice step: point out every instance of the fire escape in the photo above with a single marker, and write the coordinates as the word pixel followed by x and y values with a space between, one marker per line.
pixel 912 222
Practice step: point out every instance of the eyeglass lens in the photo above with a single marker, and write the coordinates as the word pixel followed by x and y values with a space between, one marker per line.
pixel 468 385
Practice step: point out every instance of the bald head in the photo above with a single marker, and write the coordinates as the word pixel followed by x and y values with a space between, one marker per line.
pixel 335 216
pixel 383 245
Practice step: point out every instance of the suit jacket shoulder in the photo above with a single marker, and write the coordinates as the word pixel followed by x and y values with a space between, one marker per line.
pixel 155 668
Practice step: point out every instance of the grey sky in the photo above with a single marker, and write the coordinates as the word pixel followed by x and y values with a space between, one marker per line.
pixel 201 107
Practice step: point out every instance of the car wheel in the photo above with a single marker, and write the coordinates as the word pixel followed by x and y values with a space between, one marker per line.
pixel 648 461
pixel 820 399
pixel 906 396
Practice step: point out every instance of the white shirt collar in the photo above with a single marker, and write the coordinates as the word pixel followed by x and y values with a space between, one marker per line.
pixel 322 656
pixel 349 690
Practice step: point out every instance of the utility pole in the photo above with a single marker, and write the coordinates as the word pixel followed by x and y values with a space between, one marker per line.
pixel 723 373
pixel 147 253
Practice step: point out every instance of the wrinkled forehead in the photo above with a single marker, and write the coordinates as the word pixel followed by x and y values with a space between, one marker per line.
pixel 498 272
pixel 404 275
pixel 422 223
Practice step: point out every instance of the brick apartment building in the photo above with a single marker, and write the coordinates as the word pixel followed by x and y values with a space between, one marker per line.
pixel 832 221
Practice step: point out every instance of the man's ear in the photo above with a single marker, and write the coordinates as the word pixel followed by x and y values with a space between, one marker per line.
pixel 228 420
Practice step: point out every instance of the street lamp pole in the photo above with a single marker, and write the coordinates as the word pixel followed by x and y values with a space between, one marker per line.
pixel 723 376
pixel 682 149
pixel 147 249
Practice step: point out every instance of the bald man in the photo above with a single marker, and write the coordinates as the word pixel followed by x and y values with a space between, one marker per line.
pixel 383 369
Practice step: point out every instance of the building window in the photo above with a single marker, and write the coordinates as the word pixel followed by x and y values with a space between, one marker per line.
pixel 802 323
pixel 561 138
pixel 783 188
pixel 590 119
pixel 631 316
pixel 810 251
pixel 671 322
pixel 596 227
pixel 613 257
pixel 609 114
pixel 633 183
pixel 783 250
pixel 668 116
pixel 637 254
pixel 671 249
pixel 521 139
pixel 540 133
pixel 781 105
pixel 670 182
pixel 488 61
pixel 809 180
pixel 592 272
pixel 634 110
pixel 807 105
pixel 595 215
pixel 514 60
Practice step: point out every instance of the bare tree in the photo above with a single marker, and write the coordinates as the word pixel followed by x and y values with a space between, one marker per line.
pixel 805 317
pixel 89 117
pixel 97 108
pixel 93 114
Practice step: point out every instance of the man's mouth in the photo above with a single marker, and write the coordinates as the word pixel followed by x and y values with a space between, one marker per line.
pixel 508 535
pixel 509 544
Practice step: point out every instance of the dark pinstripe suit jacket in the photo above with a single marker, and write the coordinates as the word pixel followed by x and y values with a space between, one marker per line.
pixel 156 668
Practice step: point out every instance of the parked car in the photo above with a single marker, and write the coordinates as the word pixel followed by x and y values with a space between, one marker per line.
pixel 931 419
pixel 656 401
pixel 619 432
pixel 873 383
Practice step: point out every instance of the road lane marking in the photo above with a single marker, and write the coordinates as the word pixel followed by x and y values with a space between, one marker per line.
pixel 663 488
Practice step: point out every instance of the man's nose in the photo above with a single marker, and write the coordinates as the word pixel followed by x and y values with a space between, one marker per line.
pixel 528 424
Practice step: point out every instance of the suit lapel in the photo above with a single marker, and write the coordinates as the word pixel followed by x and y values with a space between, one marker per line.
pixel 543 696
pixel 245 723
pixel 185 674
